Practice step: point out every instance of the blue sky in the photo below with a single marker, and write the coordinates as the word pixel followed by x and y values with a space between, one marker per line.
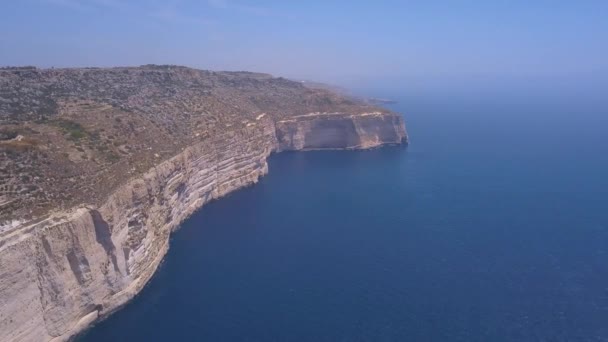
pixel 324 40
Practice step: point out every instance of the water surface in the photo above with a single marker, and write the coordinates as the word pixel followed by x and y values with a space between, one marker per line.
pixel 491 226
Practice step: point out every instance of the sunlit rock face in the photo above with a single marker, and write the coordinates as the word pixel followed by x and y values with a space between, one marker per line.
pixel 340 131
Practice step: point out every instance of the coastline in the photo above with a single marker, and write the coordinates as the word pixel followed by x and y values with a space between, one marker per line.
pixel 79 266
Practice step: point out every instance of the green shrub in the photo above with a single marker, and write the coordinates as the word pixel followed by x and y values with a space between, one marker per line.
pixel 73 129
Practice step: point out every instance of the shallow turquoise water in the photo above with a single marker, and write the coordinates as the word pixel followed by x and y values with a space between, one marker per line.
pixel 491 226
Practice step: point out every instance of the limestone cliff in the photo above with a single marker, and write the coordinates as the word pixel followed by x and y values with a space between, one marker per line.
pixel 65 269
pixel 340 131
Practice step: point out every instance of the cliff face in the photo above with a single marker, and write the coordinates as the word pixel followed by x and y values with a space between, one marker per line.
pixel 62 271
pixel 59 275
pixel 340 131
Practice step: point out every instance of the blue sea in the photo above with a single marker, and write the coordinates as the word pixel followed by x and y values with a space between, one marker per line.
pixel 492 225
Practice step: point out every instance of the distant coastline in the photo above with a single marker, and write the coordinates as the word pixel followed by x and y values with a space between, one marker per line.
pixel 380 101
pixel 346 92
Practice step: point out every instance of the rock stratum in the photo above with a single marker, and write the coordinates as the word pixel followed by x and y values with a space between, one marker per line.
pixel 99 166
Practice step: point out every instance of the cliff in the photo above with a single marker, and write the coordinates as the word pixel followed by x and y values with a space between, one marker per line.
pixel 339 131
pixel 66 263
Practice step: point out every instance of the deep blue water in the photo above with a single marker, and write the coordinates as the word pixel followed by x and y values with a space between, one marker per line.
pixel 491 226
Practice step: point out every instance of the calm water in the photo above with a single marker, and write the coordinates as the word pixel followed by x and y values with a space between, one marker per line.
pixel 491 226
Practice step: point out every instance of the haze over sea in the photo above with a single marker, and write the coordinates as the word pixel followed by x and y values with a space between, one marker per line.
pixel 490 226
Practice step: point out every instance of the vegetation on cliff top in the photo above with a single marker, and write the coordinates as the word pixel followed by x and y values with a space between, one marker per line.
pixel 84 131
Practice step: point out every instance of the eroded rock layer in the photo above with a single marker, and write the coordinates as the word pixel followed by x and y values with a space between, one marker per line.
pixel 339 131
pixel 65 266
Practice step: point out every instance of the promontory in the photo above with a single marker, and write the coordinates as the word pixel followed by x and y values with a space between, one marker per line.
pixel 99 165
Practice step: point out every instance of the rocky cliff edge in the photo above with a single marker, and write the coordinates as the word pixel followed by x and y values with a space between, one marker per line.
pixel 99 166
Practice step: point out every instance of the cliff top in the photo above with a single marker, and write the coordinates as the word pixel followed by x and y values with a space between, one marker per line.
pixel 71 136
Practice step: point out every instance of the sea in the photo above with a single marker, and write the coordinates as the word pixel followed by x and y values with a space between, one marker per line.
pixel 491 225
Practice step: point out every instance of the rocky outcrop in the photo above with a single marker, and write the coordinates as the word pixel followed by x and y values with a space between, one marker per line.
pixel 61 272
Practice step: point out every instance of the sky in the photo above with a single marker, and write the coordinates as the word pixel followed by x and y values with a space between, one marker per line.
pixel 330 41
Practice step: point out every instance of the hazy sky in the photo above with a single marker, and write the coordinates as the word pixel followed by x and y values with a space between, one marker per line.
pixel 322 40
